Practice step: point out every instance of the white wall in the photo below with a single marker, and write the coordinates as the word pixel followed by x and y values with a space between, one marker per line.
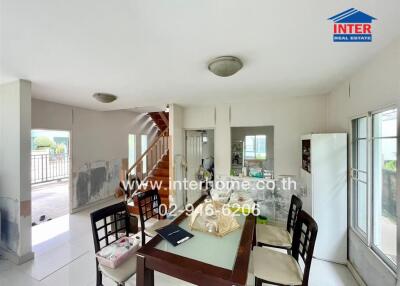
pixel 376 85
pixel 176 153
pixel 290 116
pixel 15 194
pixel 99 143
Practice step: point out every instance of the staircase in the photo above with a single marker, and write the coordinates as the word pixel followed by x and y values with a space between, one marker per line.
pixel 161 119
pixel 157 163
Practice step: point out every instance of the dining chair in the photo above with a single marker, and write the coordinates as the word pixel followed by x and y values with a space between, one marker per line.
pixel 273 267
pixel 149 203
pixel 278 237
pixel 108 225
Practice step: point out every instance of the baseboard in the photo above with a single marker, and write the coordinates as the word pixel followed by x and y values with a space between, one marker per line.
pixel 85 207
pixel 16 259
pixel 355 274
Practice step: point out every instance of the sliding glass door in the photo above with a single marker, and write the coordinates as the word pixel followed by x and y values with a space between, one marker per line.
pixel 384 160
pixel 359 174
pixel 374 182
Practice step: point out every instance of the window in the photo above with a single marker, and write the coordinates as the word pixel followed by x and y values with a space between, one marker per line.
pixel 384 147
pixel 132 149
pixel 256 147
pixel 143 148
pixel 373 182
pixel 359 174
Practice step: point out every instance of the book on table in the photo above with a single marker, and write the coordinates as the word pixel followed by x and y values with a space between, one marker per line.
pixel 174 234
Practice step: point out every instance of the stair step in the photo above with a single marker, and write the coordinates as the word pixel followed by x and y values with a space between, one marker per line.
pixel 160 172
pixel 163 191
pixel 163 164
pixel 158 178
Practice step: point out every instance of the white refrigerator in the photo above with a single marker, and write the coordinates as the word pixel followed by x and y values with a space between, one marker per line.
pixel 324 175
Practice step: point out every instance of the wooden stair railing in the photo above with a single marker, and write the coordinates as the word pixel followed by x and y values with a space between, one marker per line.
pixel 157 171
pixel 151 156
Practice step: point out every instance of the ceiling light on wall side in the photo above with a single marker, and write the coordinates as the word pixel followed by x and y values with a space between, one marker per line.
pixel 104 97
pixel 225 66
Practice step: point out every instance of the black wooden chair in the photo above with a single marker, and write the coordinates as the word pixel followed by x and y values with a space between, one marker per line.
pixel 108 225
pixel 274 236
pixel 149 203
pixel 277 268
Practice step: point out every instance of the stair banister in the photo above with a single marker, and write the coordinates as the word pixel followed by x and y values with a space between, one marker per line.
pixel 150 151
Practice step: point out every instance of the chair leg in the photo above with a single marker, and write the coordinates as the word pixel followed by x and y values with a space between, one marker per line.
pixel 99 278
pixel 143 238
pixel 257 282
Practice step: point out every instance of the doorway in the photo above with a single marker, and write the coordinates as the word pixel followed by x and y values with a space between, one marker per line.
pixel 200 162
pixel 50 174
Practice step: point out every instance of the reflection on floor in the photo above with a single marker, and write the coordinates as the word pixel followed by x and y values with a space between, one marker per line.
pixel 67 258
pixel 50 200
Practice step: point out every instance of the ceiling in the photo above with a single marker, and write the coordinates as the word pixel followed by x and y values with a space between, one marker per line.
pixel 153 52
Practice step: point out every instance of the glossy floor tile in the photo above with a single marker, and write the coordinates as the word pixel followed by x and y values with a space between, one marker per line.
pixel 64 256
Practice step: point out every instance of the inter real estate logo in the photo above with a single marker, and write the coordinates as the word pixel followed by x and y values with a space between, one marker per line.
pixel 352 26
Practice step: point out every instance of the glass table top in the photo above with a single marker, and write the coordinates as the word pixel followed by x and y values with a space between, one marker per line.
pixel 207 248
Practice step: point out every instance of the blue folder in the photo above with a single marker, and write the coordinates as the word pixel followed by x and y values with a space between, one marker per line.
pixel 174 234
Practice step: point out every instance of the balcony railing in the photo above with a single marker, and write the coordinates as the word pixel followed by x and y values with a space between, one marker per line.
pixel 49 167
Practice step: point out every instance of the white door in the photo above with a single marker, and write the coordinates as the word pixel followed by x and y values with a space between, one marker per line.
pixel 194 151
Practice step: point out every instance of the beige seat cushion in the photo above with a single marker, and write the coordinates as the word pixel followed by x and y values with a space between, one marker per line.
pixel 276 267
pixel 151 230
pixel 273 235
pixel 123 272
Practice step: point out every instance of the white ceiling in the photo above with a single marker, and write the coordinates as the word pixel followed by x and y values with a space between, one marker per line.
pixel 156 52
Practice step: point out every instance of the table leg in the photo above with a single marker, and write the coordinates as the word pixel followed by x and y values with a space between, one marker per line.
pixel 254 242
pixel 144 276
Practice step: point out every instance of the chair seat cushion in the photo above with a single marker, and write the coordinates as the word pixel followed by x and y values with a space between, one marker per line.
pixel 123 272
pixel 273 236
pixel 151 230
pixel 276 267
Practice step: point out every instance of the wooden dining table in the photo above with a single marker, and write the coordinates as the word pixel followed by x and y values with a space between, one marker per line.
pixel 204 259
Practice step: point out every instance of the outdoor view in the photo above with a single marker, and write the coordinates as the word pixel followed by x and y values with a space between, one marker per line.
pixel 50 168
pixel 255 147
pixel 384 184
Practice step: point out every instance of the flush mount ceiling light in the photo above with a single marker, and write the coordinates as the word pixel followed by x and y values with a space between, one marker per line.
pixel 104 97
pixel 225 66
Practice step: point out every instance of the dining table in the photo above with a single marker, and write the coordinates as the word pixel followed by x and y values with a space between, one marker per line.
pixel 205 259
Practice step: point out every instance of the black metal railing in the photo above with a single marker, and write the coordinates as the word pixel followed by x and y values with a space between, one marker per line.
pixel 49 167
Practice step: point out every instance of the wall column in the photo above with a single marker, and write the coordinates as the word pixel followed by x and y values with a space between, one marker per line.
pixel 222 137
pixel 15 171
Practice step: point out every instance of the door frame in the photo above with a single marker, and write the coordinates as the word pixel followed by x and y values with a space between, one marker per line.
pixel 70 155
pixel 185 149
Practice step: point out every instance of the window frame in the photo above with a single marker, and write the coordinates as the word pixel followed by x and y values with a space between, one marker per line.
pixel 144 164
pixel 255 147
pixel 372 245
pixel 353 199
pixel 368 237
pixel 134 155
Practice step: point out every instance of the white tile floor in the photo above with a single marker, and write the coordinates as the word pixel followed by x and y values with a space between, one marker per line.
pixel 68 259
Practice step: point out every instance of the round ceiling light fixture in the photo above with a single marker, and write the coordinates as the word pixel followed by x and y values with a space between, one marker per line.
pixel 104 97
pixel 225 66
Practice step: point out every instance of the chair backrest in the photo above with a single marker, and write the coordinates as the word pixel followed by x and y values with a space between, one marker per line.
pixel 109 224
pixel 149 205
pixel 295 207
pixel 305 235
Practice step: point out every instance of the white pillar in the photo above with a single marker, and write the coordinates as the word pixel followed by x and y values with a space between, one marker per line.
pixel 222 137
pixel 15 171
pixel 177 154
